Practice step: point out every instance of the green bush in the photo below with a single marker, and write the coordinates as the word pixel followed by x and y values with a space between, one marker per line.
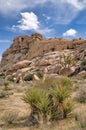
pixel 2 75
pixel 65 81
pixel 11 79
pixel 28 77
pixel 40 74
pixel 3 93
pixel 83 62
pixel 6 84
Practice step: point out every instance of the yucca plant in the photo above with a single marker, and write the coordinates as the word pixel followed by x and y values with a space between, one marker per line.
pixel 67 108
pixel 51 102
pixel 60 93
pixel 44 104
pixel 65 81
pixel 32 96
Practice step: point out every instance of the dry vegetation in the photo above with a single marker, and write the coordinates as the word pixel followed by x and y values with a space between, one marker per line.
pixel 14 111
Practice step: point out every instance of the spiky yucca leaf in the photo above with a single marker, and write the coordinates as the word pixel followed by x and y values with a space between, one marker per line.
pixel 43 103
pixel 60 93
pixel 67 108
pixel 65 81
pixel 32 96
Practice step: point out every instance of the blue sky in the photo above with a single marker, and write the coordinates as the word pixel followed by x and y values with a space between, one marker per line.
pixel 51 18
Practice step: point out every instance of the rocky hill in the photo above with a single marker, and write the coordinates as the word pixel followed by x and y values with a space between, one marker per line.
pixel 52 56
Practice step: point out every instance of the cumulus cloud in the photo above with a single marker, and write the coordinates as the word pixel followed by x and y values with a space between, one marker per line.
pixel 70 33
pixel 29 21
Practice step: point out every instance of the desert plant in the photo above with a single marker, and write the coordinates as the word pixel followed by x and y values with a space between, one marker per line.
pixel 67 61
pixel 11 79
pixel 83 62
pixel 6 83
pixel 44 104
pixel 28 77
pixel 40 74
pixel 67 108
pixel 31 96
pixel 10 117
pixel 60 93
pixel 50 103
pixel 2 75
pixel 3 93
pixel 65 81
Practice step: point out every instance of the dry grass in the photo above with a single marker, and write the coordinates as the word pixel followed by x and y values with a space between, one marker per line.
pixel 15 104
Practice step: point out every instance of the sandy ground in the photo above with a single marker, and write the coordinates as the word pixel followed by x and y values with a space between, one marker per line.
pixel 15 104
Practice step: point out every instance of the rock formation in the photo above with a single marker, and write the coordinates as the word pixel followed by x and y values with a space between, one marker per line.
pixel 37 53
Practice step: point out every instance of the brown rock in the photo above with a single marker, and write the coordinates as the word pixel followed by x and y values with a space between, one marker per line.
pixel 21 64
pixel 37 53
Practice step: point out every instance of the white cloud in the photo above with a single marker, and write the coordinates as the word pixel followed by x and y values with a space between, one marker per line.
pixel 29 21
pixel 62 12
pixel 10 6
pixel 70 32
pixel 76 3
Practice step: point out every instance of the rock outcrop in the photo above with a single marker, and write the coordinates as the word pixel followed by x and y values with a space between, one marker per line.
pixel 34 52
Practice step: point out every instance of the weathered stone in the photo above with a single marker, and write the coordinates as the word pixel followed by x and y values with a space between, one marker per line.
pixel 35 77
pixel 21 64
pixel 28 54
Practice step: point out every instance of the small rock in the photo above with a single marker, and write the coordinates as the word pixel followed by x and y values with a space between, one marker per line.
pixel 35 77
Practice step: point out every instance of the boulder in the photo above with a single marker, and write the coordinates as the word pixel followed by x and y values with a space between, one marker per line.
pixel 35 77
pixel 21 64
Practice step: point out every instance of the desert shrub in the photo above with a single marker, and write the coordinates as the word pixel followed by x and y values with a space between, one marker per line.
pixel 67 61
pixel 39 101
pixel 83 62
pixel 65 81
pixel 11 79
pixel 10 117
pixel 81 95
pixel 44 104
pixel 3 93
pixel 40 74
pixel 6 84
pixel 52 103
pixel 67 108
pixel 28 77
pixel 2 75
pixel 31 96
pixel 60 93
